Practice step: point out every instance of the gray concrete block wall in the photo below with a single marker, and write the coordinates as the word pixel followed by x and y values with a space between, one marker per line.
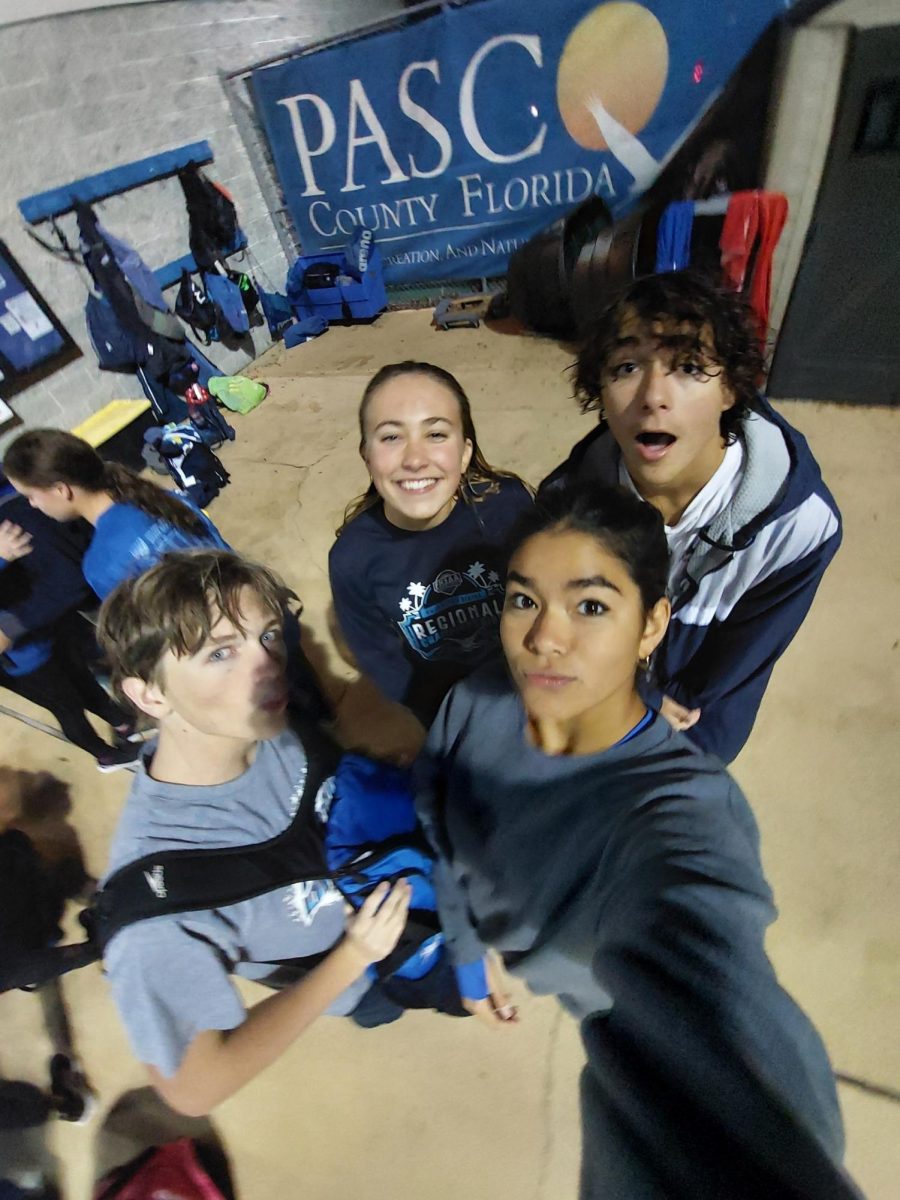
pixel 89 91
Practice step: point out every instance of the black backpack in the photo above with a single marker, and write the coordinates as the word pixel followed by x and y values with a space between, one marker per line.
pixel 175 881
pixel 198 472
pixel 194 306
pixel 214 229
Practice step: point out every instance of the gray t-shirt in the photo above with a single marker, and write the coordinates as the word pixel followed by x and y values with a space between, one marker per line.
pixel 170 975
pixel 628 882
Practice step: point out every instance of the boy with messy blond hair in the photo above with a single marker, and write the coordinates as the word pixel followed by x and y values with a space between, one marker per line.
pixel 196 646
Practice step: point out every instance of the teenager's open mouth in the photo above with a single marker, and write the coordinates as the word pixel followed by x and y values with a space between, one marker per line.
pixel 275 703
pixel 654 444
pixel 416 486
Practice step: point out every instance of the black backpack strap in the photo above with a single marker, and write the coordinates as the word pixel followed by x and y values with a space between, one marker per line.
pixel 34 968
pixel 175 881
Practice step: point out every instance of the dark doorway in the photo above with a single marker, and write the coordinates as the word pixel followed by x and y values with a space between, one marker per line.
pixel 840 339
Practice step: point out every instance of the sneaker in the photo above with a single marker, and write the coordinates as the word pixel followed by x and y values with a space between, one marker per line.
pixel 117 757
pixel 70 1091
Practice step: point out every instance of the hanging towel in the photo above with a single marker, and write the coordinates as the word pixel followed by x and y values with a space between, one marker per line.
pixel 135 270
pixel 673 237
pixel 737 237
pixel 754 221
pixel 148 298
pixel 773 210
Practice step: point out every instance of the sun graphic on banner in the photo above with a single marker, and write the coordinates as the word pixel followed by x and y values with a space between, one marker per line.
pixel 611 75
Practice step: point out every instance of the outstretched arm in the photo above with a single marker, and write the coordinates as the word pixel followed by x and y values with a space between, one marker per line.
pixel 479 976
pixel 217 1063
pixel 705 1079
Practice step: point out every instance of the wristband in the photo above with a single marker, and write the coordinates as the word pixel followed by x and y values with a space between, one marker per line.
pixel 471 979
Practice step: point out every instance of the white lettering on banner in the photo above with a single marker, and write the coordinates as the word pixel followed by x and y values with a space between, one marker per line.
pixel 408 257
pixel 429 208
pixel 381 216
pixel 304 151
pixel 470 126
pixel 361 112
pixel 604 182
pixel 560 189
pixel 362 106
pixel 500 245
pixel 519 193
pixel 423 117
pixel 508 191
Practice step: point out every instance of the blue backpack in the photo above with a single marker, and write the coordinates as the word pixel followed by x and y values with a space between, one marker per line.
pixel 225 295
pixel 372 835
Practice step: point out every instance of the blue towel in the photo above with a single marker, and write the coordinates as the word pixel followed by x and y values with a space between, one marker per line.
pixel 276 309
pixel 673 238
pixel 302 331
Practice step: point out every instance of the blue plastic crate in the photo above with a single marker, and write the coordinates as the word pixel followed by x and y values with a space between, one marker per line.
pixel 365 299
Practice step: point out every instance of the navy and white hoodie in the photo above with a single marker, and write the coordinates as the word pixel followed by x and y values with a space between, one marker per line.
pixel 748 580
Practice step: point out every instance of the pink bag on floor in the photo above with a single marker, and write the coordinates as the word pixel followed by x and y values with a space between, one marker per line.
pixel 170 1172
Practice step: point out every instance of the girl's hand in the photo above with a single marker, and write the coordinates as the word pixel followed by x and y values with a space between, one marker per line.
pixel 677 715
pixel 375 929
pixel 495 1010
pixel 14 541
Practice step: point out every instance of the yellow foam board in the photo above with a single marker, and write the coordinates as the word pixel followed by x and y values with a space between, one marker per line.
pixel 109 420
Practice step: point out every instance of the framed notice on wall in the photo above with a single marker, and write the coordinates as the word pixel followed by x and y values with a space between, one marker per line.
pixel 33 343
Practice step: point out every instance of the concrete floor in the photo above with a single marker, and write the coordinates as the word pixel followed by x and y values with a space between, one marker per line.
pixel 440 1109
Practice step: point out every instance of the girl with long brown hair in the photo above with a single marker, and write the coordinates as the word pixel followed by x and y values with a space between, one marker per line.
pixel 417 568
pixel 135 521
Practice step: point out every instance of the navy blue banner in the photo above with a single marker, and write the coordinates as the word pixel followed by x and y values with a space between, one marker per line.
pixel 458 137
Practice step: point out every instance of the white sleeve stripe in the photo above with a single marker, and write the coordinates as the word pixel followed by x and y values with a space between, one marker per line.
pixel 788 539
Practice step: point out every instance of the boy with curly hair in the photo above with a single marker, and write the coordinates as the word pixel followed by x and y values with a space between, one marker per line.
pixel 672 366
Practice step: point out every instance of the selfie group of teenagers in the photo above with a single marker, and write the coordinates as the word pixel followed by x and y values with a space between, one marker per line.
pixel 584 654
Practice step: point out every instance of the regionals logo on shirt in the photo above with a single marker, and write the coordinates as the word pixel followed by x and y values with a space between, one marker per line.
pixel 455 612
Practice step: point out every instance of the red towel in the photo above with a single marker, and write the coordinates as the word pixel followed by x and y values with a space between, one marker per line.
pixel 737 237
pixel 751 214
pixel 773 208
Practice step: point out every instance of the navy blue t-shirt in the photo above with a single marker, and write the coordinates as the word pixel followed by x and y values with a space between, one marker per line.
pixel 420 609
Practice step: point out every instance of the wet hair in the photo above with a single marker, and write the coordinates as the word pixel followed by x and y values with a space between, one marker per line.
pixel 721 329
pixel 175 605
pixel 480 479
pixel 628 528
pixel 41 458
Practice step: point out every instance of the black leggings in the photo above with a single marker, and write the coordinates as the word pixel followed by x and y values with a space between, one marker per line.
pixel 66 687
